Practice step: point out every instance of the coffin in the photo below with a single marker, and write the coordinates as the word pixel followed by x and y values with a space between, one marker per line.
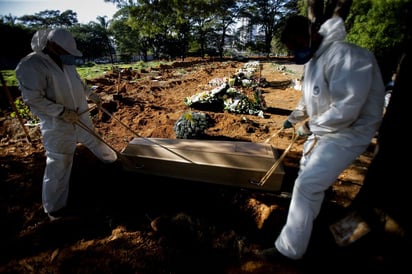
pixel 232 163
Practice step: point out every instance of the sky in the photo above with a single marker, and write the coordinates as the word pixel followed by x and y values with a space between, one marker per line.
pixel 87 10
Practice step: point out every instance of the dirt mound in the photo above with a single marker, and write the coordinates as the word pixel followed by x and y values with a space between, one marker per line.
pixel 133 223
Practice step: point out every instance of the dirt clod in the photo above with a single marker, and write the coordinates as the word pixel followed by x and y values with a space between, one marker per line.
pixel 133 223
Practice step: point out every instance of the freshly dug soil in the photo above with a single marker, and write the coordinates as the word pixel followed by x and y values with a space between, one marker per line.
pixel 133 223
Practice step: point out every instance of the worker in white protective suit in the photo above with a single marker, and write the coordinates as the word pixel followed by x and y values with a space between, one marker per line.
pixel 55 93
pixel 339 114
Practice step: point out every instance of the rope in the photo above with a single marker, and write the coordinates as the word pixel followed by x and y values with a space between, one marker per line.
pixel 315 141
pixel 278 161
pixel 151 141
pixel 92 132
pixel 87 110
pixel 274 134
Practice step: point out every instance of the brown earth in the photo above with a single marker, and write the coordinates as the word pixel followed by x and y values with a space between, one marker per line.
pixel 132 223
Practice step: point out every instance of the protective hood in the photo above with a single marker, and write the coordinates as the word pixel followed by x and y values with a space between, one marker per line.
pixel 65 40
pixel 39 40
pixel 333 30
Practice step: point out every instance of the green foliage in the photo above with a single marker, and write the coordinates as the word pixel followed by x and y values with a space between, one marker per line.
pixel 87 72
pixel 178 27
pixel 15 46
pixel 92 40
pixel 24 112
pixel 50 19
pixel 375 25
pixel 378 26
pixel 9 77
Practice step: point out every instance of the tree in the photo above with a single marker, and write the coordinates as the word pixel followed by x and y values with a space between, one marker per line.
pixel 151 22
pixel 8 19
pixel 202 23
pixel 385 193
pixel 225 17
pixel 267 15
pixel 50 19
pixel 175 28
pixel 375 25
pixel 15 46
pixel 128 37
pixel 91 39
pixel 103 25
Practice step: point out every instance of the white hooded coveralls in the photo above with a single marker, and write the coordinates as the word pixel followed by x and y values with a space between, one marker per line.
pixel 47 90
pixel 343 97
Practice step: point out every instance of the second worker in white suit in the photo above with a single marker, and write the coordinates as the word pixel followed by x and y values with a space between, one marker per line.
pixel 342 102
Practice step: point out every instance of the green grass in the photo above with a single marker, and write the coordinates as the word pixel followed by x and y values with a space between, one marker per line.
pixel 89 70
pixel 95 71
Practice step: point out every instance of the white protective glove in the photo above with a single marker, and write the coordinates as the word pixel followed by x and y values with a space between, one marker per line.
pixel 70 116
pixel 304 130
pixel 96 99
